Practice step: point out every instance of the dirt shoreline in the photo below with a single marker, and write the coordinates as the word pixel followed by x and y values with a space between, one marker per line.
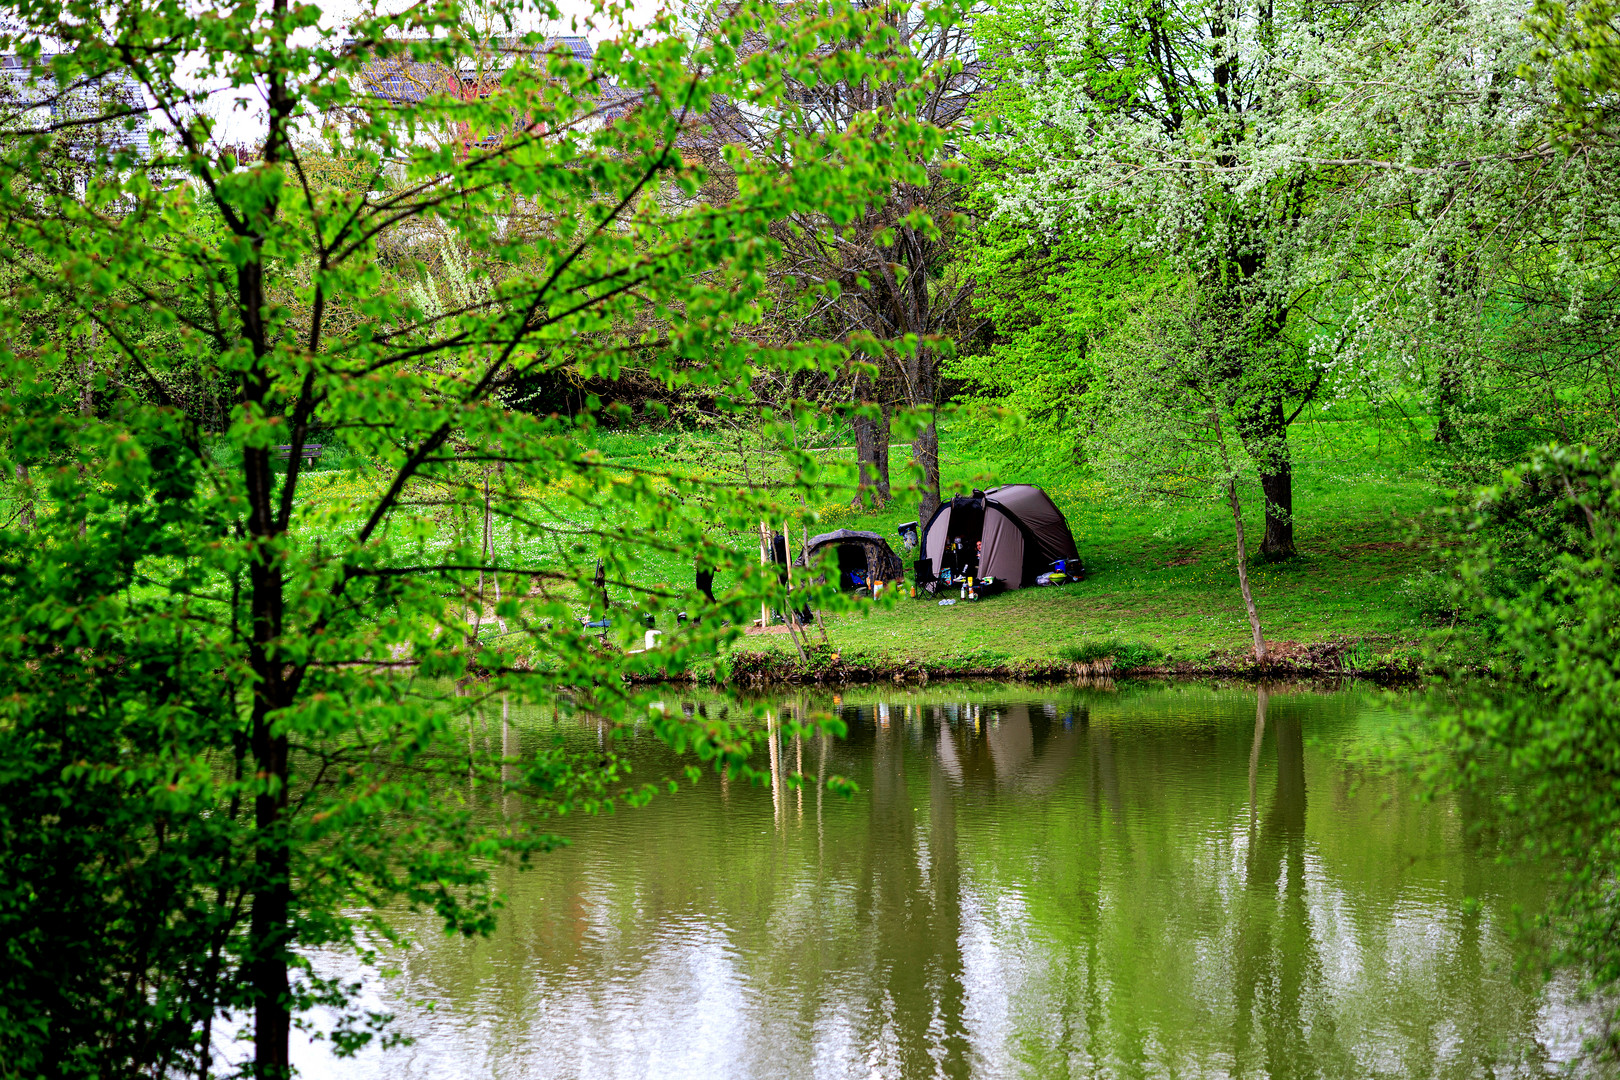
pixel 1323 660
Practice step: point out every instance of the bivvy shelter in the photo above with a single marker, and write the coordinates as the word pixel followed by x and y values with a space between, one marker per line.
pixel 863 557
pixel 1012 533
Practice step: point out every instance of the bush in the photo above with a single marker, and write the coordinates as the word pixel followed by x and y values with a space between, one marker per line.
pixel 1436 596
pixel 1125 656
pixel 1544 756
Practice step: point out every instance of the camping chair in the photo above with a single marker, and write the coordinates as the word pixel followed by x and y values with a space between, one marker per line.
pixel 922 573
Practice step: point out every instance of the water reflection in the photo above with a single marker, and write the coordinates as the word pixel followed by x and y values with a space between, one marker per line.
pixel 1101 883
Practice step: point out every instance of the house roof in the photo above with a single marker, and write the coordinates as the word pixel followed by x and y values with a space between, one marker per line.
pixel 27 85
pixel 403 80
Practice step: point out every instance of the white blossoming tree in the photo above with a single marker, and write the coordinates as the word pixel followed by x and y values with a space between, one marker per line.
pixel 1389 200
pixel 1139 125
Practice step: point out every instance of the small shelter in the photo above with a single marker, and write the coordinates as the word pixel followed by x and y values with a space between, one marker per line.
pixel 1012 533
pixel 863 557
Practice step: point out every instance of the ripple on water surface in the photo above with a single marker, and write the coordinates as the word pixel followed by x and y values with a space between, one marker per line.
pixel 1121 882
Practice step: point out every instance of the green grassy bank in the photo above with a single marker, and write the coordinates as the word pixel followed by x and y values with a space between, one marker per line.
pixel 1160 591
pixel 1161 579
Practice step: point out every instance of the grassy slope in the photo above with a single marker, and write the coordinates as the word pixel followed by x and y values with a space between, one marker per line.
pixel 1162 576
pixel 1165 576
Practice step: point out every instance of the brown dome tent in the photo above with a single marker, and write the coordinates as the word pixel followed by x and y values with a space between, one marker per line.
pixel 862 557
pixel 1012 533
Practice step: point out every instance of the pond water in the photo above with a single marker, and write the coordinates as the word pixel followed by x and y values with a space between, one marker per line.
pixel 1179 881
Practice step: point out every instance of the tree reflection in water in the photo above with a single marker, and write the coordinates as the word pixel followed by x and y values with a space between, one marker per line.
pixel 1110 882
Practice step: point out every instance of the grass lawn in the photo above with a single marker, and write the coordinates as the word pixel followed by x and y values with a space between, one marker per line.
pixel 1159 576
pixel 1165 576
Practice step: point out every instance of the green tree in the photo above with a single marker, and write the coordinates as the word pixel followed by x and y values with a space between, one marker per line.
pixel 1168 412
pixel 1131 124
pixel 1470 255
pixel 1048 299
pixel 887 276
pixel 235 684
pixel 1543 565
pixel 1580 51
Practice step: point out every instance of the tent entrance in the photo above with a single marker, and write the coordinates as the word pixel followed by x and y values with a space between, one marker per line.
pixel 961 555
pixel 852 569
pixel 860 557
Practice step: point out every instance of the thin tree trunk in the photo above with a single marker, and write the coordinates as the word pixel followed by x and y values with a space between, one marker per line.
pixel 925 452
pixel 880 455
pixel 25 498
pixel 872 458
pixel 483 554
pixel 764 560
pixel 489 549
pixel 792 617
pixel 600 581
pixel 1243 570
pixel 483 548
pixel 87 405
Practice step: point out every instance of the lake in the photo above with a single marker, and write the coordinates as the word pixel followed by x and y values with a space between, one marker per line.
pixel 1154 881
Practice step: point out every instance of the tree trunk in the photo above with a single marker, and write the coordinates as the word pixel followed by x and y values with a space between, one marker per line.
pixel 270 925
pixel 272 903
pixel 1445 403
pixel 1265 437
pixel 272 893
pixel 922 378
pixel 872 455
pixel 1454 282
pixel 1243 571
pixel 865 429
pixel 925 452
pixel 1247 337
pixel 880 455
pixel 25 498
pixel 764 561
pixel 1278 486
pixel 87 406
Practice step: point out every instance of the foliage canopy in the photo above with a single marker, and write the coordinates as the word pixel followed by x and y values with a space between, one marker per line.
pixel 233 683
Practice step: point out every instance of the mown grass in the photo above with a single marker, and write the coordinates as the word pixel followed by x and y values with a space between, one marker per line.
pixel 1163 577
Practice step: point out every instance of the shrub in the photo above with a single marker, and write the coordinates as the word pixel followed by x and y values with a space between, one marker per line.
pixel 1436 596
pixel 1125 656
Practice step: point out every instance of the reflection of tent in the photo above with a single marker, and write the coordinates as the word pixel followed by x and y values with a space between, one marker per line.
pixel 1022 532
pixel 862 557
pixel 1023 749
